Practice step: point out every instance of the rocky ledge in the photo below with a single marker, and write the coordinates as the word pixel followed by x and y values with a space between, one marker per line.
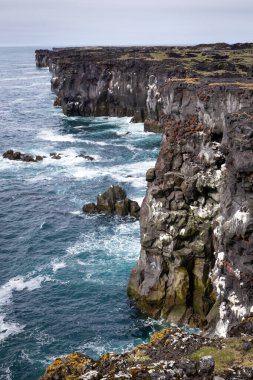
pixel 170 354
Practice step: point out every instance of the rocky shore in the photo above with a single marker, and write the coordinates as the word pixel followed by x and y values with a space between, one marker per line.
pixel 196 260
pixel 170 354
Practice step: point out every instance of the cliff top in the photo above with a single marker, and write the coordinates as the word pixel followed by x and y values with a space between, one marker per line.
pixel 201 61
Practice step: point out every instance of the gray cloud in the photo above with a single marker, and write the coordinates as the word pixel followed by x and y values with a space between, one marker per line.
pixel 115 22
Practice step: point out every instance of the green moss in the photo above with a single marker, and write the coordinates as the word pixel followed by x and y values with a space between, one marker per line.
pixel 231 353
pixel 124 57
pixel 159 56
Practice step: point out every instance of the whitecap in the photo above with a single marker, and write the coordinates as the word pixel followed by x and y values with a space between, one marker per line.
pixel 6 374
pixel 56 265
pixel 9 328
pixel 39 178
pixel 116 245
pixel 80 262
pixel 18 284
pixel 134 173
pixel 50 135
pixel 77 212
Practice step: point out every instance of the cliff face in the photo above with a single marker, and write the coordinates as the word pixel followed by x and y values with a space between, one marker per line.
pixel 196 261
pixel 196 258
pixel 124 81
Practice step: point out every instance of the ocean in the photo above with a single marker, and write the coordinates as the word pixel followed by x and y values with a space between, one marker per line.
pixel 63 274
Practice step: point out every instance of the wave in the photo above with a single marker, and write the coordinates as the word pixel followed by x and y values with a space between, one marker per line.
pixel 9 328
pixel 56 265
pixel 18 284
pixel 6 374
pixel 50 135
pixel 114 245
pixel 133 173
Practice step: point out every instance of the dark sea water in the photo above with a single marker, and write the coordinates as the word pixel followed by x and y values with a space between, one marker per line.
pixel 63 274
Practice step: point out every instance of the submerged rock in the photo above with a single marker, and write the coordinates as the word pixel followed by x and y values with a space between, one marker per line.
pixel 55 156
pixel 18 156
pixel 86 157
pixel 114 201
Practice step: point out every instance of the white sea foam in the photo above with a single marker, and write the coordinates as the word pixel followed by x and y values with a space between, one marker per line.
pixel 69 158
pixel 54 136
pixel 80 262
pixel 25 356
pixel 100 143
pixel 114 245
pixel 134 173
pixel 56 265
pixel 77 212
pixel 9 328
pixel 18 284
pixel 6 374
pixel 39 178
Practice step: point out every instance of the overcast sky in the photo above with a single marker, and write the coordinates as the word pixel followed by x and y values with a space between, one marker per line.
pixel 124 22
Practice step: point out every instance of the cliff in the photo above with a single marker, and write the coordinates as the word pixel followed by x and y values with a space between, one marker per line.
pixel 120 81
pixel 196 260
pixel 196 220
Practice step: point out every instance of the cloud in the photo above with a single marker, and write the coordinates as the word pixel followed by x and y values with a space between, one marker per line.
pixel 117 22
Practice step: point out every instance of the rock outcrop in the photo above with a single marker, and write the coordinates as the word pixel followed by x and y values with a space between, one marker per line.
pixel 170 354
pixel 18 156
pixel 113 201
pixel 196 219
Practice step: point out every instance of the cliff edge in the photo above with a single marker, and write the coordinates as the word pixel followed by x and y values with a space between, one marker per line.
pixel 126 81
pixel 196 260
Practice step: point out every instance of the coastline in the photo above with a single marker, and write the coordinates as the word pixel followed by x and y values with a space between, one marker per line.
pixel 196 215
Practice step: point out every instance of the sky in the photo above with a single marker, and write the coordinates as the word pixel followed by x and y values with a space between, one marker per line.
pixel 124 22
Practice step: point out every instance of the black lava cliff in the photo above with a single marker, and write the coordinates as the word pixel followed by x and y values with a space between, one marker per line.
pixel 196 261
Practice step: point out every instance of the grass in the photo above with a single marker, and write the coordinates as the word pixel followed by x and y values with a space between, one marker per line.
pixel 187 80
pixel 243 86
pixel 159 56
pixel 230 354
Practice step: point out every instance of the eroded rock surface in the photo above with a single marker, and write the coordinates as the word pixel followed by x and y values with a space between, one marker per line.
pixel 113 201
pixel 196 220
pixel 170 354
pixel 129 81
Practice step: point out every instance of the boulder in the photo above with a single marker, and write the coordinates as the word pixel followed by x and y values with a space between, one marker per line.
pixel 150 175
pixel 55 156
pixel 18 156
pixel 90 208
pixel 106 202
pixel 114 201
pixel 86 157
pixel 134 208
